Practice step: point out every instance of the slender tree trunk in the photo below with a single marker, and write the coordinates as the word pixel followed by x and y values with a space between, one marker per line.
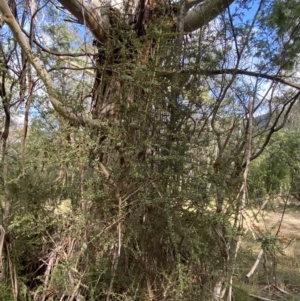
pixel 243 199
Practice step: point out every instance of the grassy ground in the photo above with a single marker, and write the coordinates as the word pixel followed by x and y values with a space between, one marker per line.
pixel 277 276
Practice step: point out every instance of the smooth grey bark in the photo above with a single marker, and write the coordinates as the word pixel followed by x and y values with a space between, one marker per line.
pixel 95 15
pixel 201 15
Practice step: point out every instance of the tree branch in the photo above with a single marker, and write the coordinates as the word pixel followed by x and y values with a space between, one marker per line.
pixel 190 3
pixel 42 73
pixel 275 127
pixel 274 78
pixel 57 53
pixel 94 17
pixel 201 15
pixel 254 74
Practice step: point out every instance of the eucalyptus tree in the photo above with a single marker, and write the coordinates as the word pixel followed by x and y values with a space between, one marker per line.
pixel 161 112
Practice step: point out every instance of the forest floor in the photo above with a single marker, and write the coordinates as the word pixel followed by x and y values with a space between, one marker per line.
pixel 290 224
pixel 277 276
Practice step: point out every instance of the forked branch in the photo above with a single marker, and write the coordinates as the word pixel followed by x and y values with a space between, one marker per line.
pixel 95 15
pixel 42 73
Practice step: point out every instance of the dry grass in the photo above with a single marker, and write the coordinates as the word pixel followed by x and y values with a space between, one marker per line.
pixel 287 251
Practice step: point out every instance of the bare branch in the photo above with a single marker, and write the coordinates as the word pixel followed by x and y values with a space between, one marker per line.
pixel 88 70
pixel 42 73
pixel 94 17
pixel 274 78
pixel 285 111
pixel 56 53
pixel 260 298
pixel 190 3
pixel 201 15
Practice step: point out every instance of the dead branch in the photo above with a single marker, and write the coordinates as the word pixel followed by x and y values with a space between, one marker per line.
pixel 2 235
pixel 260 254
pixel 260 298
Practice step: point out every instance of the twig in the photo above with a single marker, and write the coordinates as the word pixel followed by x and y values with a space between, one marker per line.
pixel 261 208
pixel 282 216
pixel 249 227
pixel 260 254
pixel 2 235
pixel 12 274
pixel 75 291
pixel 52 261
pixel 117 252
pixel 281 290
pixel 243 190
pixel 260 298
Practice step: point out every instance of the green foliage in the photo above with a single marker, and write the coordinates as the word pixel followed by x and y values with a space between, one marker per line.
pixel 278 170
pixel 284 16
pixel 241 294
pixel 284 13
pixel 6 293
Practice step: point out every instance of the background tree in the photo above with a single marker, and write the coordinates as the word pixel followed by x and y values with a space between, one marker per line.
pixel 278 168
